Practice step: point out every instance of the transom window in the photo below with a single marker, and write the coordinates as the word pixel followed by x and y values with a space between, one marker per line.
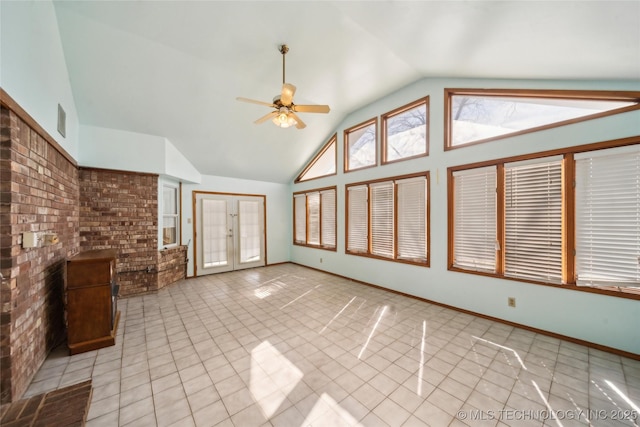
pixel 475 116
pixel 569 218
pixel 388 219
pixel 323 164
pixel 404 132
pixel 360 146
pixel 314 221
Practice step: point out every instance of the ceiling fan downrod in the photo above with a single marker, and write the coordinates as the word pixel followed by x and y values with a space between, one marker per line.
pixel 283 50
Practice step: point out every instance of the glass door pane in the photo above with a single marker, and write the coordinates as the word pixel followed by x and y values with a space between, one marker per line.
pixel 214 230
pixel 249 228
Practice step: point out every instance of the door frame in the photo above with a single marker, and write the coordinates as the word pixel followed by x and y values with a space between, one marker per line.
pixel 194 207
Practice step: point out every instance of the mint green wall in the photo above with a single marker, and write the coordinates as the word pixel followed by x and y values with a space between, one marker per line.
pixel 600 319
pixel 33 70
pixel 131 151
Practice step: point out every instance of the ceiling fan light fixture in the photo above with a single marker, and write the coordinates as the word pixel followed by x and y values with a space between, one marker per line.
pixel 284 119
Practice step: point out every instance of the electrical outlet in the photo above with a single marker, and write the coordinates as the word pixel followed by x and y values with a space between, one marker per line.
pixel 511 302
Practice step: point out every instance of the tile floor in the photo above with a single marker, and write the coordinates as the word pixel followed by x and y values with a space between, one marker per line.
pixel 288 346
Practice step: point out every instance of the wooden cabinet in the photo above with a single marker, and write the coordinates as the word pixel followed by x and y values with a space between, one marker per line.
pixel 92 291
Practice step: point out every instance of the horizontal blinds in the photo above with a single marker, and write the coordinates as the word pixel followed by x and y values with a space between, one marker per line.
pixel 300 212
pixel 608 217
pixel 382 219
pixel 474 239
pixel 412 219
pixel 533 220
pixel 358 217
pixel 313 218
pixel 328 218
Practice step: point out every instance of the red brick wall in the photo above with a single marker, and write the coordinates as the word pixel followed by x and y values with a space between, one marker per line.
pixel 119 210
pixel 172 265
pixel 42 189
pixel 38 192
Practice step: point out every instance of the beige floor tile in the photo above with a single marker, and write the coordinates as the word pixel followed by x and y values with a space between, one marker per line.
pixel 285 345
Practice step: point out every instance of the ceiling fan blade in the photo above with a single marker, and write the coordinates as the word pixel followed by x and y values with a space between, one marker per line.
pixel 286 97
pixel 253 101
pixel 300 124
pixel 311 108
pixel 266 117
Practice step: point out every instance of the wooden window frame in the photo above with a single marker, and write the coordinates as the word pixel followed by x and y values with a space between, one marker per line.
pixel 395 112
pixel 395 257
pixel 325 147
pixel 335 225
pixel 568 216
pixel 586 95
pixel 177 193
pixel 347 132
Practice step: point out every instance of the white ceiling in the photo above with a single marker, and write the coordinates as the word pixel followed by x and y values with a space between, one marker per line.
pixel 174 68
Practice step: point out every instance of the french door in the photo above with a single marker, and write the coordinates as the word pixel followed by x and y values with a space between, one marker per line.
pixel 230 233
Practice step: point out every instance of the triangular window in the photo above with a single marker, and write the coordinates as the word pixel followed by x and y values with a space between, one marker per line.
pixel 475 116
pixel 323 164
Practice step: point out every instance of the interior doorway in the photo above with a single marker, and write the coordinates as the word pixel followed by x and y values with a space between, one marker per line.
pixel 229 232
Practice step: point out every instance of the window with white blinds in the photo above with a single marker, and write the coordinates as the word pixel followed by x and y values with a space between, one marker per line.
pixel 358 219
pixel 608 217
pixel 382 221
pixel 569 218
pixel 412 223
pixel 533 219
pixel 315 218
pixel 300 220
pixel 474 234
pixel 397 211
pixel 328 216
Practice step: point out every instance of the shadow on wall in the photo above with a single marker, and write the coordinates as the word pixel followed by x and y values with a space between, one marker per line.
pixel 54 303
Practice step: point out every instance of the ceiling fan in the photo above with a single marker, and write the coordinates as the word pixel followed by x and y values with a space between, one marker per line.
pixel 284 113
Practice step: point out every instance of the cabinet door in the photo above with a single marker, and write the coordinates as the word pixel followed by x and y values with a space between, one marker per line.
pixel 89 313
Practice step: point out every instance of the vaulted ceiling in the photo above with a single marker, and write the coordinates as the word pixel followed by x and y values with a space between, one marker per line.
pixel 174 68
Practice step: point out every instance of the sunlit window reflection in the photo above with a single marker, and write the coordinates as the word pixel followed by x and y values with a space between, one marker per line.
pixel 373 330
pixel 515 353
pixel 623 396
pixel 327 412
pixel 268 289
pixel 273 377
pixel 337 315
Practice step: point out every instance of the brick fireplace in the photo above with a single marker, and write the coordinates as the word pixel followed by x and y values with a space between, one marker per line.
pixel 43 189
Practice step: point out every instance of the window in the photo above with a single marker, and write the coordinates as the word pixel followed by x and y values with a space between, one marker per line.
pixel 170 217
pixel 388 219
pixel 475 116
pixel 358 219
pixel 314 222
pixel 608 217
pixel 323 164
pixel 382 201
pixel 412 219
pixel 568 217
pixel 360 146
pixel 475 219
pixel 404 132
pixel 533 219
